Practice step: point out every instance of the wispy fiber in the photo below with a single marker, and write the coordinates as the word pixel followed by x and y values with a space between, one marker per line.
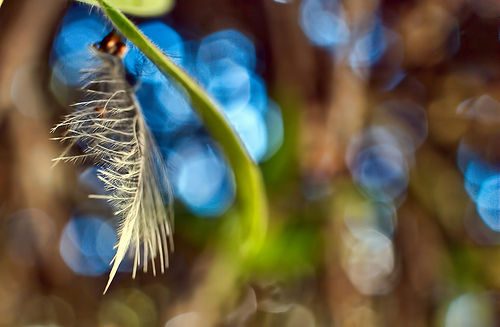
pixel 110 128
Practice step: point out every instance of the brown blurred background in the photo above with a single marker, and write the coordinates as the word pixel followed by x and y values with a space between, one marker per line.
pixel 443 270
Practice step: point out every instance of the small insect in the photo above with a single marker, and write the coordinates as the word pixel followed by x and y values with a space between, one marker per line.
pixel 112 129
pixel 112 44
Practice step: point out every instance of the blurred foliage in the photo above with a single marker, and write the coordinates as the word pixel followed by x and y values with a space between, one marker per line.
pixel 383 191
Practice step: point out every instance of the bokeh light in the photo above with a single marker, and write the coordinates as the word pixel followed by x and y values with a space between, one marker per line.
pixel 478 160
pixel 476 173
pixel 370 263
pixel 79 30
pixel 201 179
pixel 226 45
pixel 166 108
pixel 483 108
pixel 185 319
pixel 405 120
pixel 87 245
pixel 471 309
pixel 370 47
pixel 275 129
pixel 382 171
pixel 488 202
pixel 166 39
pixel 323 22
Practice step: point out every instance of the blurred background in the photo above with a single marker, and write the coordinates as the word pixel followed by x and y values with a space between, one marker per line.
pixel 377 128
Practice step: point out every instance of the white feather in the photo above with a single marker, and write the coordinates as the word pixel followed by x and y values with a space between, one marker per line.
pixel 111 128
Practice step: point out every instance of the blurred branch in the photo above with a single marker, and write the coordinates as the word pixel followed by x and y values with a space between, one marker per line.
pixel 27 28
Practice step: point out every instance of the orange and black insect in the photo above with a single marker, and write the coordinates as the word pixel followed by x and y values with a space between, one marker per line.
pixel 112 44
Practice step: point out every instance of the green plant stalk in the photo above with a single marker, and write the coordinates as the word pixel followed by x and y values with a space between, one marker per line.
pixel 251 198
pixel 141 7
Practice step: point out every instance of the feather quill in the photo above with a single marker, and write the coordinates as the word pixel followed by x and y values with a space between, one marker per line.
pixel 112 130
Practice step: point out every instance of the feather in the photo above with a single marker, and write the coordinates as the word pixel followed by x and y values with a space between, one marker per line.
pixel 112 130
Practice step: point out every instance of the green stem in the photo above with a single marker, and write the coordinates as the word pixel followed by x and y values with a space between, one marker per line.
pixel 250 192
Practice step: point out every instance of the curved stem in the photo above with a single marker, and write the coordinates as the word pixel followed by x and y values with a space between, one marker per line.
pixel 250 190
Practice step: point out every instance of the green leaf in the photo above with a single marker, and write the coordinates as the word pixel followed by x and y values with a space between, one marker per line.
pixel 138 7
pixel 251 198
